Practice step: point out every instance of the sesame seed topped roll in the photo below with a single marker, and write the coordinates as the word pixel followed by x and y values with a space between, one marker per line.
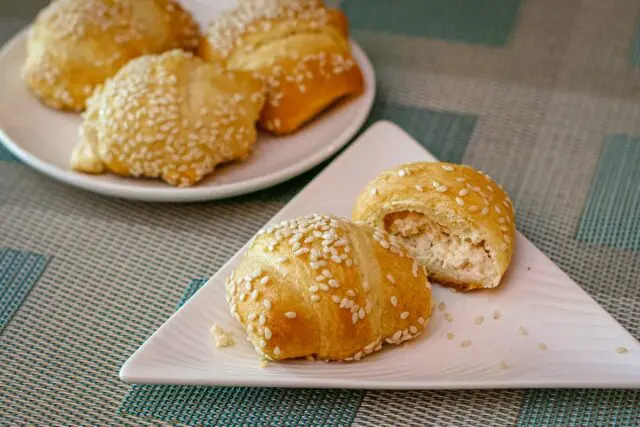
pixel 320 286
pixel 456 221
pixel 75 45
pixel 171 116
pixel 298 47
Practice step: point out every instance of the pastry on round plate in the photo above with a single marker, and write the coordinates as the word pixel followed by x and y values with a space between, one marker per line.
pixel 456 221
pixel 321 286
pixel 171 116
pixel 298 47
pixel 75 45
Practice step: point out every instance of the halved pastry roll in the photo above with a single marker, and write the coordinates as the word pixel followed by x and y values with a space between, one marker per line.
pixel 321 286
pixel 455 220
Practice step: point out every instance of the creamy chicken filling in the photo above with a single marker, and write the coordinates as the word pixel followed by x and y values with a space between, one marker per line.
pixel 440 251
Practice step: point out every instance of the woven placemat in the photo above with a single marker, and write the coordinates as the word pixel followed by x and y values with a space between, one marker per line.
pixel 542 95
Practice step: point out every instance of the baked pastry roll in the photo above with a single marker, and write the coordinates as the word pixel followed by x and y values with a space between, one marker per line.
pixel 299 48
pixel 456 221
pixel 171 116
pixel 321 286
pixel 75 45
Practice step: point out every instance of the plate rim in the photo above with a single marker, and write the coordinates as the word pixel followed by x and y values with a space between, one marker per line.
pixel 131 374
pixel 169 194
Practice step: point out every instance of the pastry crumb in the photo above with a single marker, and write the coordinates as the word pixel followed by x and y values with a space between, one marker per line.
pixel 503 365
pixel 496 314
pixel 450 335
pixel 448 317
pixel 621 350
pixel 479 320
pixel 542 346
pixel 522 331
pixel 442 306
pixel 220 337
pixel 465 343
pixel 264 362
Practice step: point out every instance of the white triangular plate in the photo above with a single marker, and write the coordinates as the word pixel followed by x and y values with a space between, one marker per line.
pixel 580 337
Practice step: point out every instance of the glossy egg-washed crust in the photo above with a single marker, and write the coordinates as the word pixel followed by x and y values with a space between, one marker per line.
pixel 299 48
pixel 75 45
pixel 296 299
pixel 172 116
pixel 456 197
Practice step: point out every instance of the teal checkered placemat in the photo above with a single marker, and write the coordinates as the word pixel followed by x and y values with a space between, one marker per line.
pixel 540 94
pixel 19 271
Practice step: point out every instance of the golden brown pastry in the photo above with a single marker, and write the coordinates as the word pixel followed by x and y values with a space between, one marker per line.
pixel 321 286
pixel 455 220
pixel 299 48
pixel 171 116
pixel 75 45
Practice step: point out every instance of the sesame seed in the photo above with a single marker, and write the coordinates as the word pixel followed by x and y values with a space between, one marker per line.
pixel 334 283
pixel 419 188
pixel 485 211
pixel 473 208
pixel 327 274
pixel 490 188
pixel 496 314
pixel 448 317
pixel 248 286
pixel 450 335
pixel 397 335
pixel 390 278
pixel 361 313
pixel 448 168
pixel 263 319
pixel 441 189
pixel 335 299
pixel 351 293
pixel 421 320
pixel 315 298
pixel 506 239
pixel 522 331
pixel 501 220
pixel 394 301
pixel 442 306
pixel 542 346
pixel 621 350
pixel 264 280
pixel 290 314
pixel 479 320
pixel 497 209
pixel 365 285
pixel 374 191
pixel 266 303
pixel 324 287
pixel 267 333
pixel 354 318
pixel 404 315
pixel 276 351
pixel 459 201
pixel 313 289
pixel 402 172
pixel 463 192
pixel 263 343
pixel 251 316
pixel 460 179
pixel 465 343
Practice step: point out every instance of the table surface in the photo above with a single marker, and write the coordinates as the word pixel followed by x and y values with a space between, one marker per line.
pixel 542 95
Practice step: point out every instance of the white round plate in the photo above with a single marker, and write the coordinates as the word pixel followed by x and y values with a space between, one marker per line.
pixel 44 138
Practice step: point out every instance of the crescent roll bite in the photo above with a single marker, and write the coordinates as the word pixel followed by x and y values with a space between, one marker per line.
pixel 456 221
